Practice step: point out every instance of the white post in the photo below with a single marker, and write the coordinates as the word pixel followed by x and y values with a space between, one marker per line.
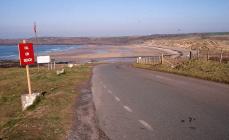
pixel 54 65
pixel 51 65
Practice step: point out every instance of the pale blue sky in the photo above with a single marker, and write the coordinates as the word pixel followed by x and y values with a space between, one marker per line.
pixel 111 17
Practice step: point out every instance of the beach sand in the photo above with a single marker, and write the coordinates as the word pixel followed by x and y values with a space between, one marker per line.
pixel 95 52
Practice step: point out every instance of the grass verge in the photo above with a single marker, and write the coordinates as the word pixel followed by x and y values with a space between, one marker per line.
pixel 51 116
pixel 208 70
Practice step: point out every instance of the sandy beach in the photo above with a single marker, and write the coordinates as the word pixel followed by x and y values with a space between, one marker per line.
pixel 97 52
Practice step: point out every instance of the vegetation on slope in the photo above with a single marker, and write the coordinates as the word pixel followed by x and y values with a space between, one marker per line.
pixel 208 70
pixel 52 114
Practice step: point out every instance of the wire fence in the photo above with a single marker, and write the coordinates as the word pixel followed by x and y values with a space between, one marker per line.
pixel 219 55
pixel 151 60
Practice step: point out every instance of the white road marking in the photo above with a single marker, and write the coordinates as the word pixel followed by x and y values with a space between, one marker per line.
pixel 109 91
pixel 127 108
pixel 163 78
pixel 146 125
pixel 117 99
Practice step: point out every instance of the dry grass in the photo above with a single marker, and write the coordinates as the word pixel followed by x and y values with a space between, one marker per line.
pixel 51 116
pixel 193 42
pixel 208 70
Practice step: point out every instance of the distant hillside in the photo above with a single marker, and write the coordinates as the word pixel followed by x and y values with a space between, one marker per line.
pixel 193 41
pixel 79 40
pixel 112 40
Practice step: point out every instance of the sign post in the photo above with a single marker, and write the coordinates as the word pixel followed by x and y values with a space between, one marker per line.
pixel 28 79
pixel 26 56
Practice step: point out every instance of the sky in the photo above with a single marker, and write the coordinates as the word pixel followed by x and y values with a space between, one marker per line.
pixel 99 18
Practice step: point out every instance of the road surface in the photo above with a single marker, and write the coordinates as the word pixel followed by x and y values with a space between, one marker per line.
pixel 135 104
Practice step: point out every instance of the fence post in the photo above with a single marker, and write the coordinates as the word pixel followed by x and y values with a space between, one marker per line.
pixel 208 55
pixel 198 53
pixel 190 55
pixel 54 65
pixel 162 58
pixel 221 56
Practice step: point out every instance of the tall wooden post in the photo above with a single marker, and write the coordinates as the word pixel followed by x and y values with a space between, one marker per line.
pixel 28 76
pixel 28 79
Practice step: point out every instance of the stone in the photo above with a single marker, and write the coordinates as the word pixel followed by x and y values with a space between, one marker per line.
pixel 28 100
pixel 59 72
pixel 70 65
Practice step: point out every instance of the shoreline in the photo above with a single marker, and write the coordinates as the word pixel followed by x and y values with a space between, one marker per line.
pixel 9 63
pixel 102 53
pixel 96 52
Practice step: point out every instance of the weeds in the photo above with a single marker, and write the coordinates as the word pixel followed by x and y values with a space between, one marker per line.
pixel 208 70
pixel 50 117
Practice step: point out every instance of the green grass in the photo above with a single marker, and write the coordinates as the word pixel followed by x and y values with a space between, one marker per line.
pixel 51 116
pixel 208 70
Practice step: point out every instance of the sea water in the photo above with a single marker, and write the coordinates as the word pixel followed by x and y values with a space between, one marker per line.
pixel 10 52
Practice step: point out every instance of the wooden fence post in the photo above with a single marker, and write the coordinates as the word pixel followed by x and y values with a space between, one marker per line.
pixel 190 55
pixel 198 53
pixel 162 58
pixel 221 56
pixel 208 55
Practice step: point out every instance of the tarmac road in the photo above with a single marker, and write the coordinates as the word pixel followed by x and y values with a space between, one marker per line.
pixel 135 104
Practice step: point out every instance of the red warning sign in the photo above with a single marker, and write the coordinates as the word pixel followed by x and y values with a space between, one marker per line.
pixel 26 53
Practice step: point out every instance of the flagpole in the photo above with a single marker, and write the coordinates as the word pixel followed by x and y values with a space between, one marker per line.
pixel 35 32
